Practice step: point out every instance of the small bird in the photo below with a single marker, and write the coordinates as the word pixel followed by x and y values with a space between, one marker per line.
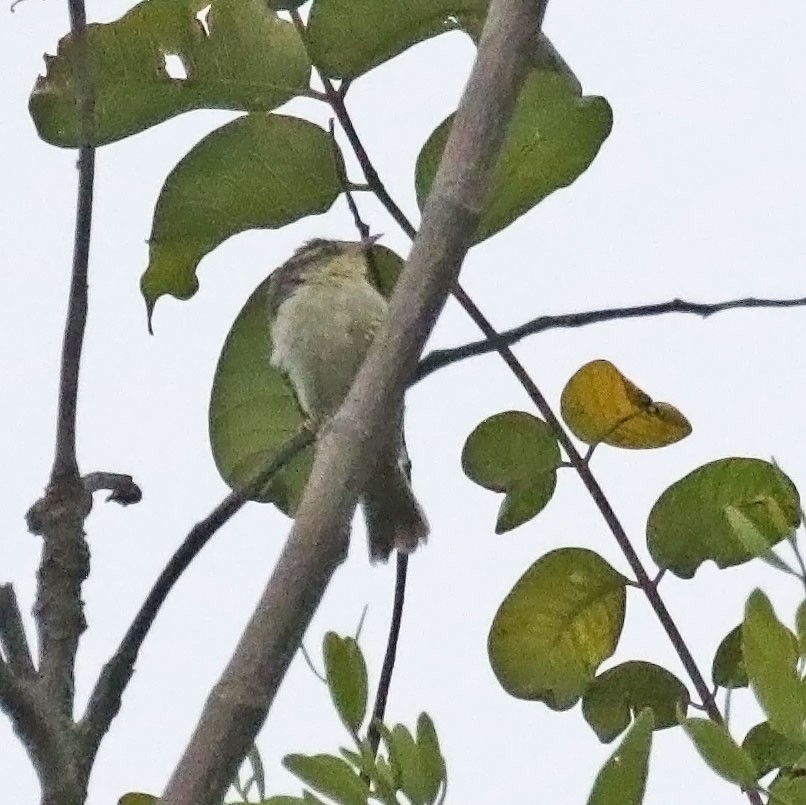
pixel 323 314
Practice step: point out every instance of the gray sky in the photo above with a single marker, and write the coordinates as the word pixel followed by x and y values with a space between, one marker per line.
pixel 697 193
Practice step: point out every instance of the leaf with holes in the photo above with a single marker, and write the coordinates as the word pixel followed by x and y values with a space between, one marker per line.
pixel 689 523
pixel 515 453
pixel 553 137
pixel 601 405
pixel 240 57
pixel 260 171
pixel 560 621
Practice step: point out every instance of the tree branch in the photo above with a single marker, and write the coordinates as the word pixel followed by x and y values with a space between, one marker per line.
pixel 59 515
pixel 385 680
pixel 13 642
pixel 316 545
pixel 105 699
pixel 64 463
pixel 122 488
pixel 440 358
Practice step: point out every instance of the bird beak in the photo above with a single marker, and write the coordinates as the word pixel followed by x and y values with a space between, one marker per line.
pixel 369 241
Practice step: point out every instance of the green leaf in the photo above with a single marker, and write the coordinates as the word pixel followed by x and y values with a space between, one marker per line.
pixel 628 689
pixel 329 775
pixel 788 790
pixel 431 767
pixel 138 799
pixel 346 674
pixel 346 38
pixel 728 669
pixel 770 750
pixel 405 755
pixel 516 453
pixel 552 139
pixel 286 800
pixel 622 780
pixel 689 523
pixel 251 60
pixel 260 171
pixel 800 627
pixel 753 540
pixel 559 622
pixel 253 411
pixel 771 655
pixel 720 751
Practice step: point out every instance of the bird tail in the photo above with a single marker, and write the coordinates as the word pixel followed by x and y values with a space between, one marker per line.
pixel 395 520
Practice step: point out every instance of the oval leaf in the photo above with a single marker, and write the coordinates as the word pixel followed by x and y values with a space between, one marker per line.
pixel 728 669
pixel 329 775
pixel 138 799
pixel 560 621
pixel 552 139
pixel 432 764
pixel 770 750
pixel 516 453
pixel 346 673
pixel 253 410
pixel 627 689
pixel 600 405
pixel 771 656
pixel 720 751
pixel 242 58
pixel 689 523
pixel 622 780
pixel 347 38
pixel 260 171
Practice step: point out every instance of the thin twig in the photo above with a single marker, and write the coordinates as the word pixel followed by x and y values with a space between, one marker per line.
pixel 64 463
pixel 104 702
pixel 122 488
pixel 439 359
pixel 388 667
pixel 13 642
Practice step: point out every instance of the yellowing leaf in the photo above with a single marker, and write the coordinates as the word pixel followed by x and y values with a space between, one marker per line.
pixel 600 405
pixel 560 621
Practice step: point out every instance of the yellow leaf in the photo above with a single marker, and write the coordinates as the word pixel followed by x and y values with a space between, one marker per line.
pixel 600 405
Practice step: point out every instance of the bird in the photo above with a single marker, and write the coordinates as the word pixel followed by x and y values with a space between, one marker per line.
pixel 323 313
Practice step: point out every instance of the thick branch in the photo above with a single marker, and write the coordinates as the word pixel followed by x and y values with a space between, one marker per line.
pixel 316 545
pixel 439 359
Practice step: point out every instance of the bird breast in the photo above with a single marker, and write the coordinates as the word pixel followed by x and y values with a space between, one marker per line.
pixel 320 337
